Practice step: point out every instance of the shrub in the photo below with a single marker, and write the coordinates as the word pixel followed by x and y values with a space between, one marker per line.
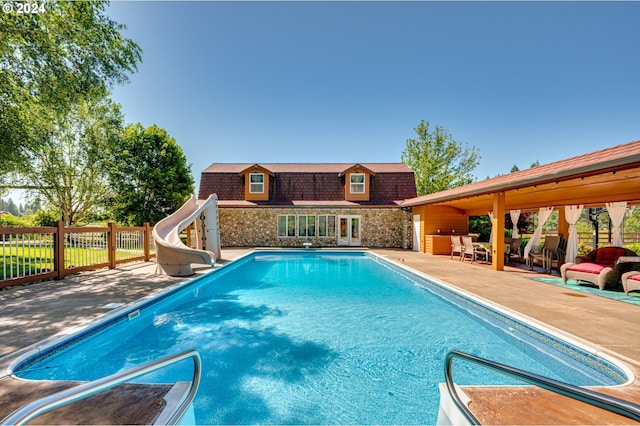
pixel 44 218
pixel 635 247
pixel 9 220
pixel 583 249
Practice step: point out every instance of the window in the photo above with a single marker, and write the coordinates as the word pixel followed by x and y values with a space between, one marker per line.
pixel 286 225
pixel 256 183
pixel 357 183
pixel 327 226
pixel 306 226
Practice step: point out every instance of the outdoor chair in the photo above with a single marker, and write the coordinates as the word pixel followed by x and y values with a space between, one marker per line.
pixel 545 256
pixel 467 249
pixel 456 246
pixel 482 251
pixel 515 251
pixel 556 258
pixel 597 267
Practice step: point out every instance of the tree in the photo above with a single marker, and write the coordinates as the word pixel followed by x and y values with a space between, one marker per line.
pixel 480 225
pixel 9 206
pixel 68 165
pixel 438 161
pixel 148 175
pixel 51 60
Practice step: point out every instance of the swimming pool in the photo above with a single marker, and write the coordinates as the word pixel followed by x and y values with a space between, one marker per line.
pixel 317 337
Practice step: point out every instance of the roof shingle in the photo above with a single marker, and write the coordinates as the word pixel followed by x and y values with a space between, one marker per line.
pixel 307 182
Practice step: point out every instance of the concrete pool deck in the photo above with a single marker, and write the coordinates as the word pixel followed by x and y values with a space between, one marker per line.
pixel 34 312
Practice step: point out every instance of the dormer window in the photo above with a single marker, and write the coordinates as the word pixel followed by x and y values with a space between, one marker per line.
pixel 357 181
pixel 256 183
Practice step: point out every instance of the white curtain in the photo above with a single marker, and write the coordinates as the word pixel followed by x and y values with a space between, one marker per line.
pixel 543 215
pixel 616 213
pixel 491 224
pixel 515 215
pixel 572 214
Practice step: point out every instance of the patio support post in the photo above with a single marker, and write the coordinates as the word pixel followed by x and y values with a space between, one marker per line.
pixel 563 225
pixel 147 241
pixel 111 245
pixel 497 232
pixel 58 251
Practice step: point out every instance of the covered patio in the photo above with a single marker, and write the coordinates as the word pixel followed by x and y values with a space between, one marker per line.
pixel 607 177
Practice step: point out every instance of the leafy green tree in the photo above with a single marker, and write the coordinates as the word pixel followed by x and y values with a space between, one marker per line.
pixel 438 161
pixel 148 174
pixel 632 220
pixel 67 166
pixel 48 62
pixel 480 225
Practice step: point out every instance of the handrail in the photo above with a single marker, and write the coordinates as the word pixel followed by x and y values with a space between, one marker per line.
pixel 606 402
pixel 67 396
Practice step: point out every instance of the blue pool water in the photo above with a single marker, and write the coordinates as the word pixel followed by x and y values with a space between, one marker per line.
pixel 318 338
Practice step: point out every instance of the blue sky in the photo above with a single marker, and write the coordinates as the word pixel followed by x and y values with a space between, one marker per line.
pixel 261 82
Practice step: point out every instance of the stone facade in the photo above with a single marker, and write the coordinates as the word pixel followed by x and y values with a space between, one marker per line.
pixel 258 227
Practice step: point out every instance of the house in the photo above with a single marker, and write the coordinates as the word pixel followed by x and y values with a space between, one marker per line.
pixel 326 205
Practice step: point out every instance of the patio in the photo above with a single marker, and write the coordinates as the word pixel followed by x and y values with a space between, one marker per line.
pixel 609 177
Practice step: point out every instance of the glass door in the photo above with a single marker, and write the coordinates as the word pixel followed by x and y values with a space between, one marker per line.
pixel 349 230
pixel 343 227
pixel 355 231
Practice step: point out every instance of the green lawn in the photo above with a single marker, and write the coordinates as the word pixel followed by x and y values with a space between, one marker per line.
pixel 25 260
pixel 21 261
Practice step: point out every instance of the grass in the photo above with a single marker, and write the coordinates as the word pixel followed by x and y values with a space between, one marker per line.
pixel 32 260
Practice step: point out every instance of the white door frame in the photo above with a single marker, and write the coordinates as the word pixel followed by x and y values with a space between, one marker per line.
pixel 416 232
pixel 348 235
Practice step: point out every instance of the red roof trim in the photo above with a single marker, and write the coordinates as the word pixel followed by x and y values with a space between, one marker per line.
pixel 307 167
pixel 256 167
pixel 609 159
pixel 358 167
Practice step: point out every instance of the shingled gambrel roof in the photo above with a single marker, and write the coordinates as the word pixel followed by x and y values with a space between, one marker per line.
pixel 307 167
pixel 309 183
pixel 611 174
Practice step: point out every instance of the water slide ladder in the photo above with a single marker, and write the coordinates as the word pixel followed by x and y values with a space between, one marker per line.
pixel 44 405
pixel 606 402
pixel 173 257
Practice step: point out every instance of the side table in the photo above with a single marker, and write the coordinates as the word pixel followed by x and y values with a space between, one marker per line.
pixel 626 263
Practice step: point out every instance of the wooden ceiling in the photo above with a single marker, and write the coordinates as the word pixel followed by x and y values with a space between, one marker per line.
pixel 591 191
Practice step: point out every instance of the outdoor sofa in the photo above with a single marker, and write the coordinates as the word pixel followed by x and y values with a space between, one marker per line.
pixel 596 267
